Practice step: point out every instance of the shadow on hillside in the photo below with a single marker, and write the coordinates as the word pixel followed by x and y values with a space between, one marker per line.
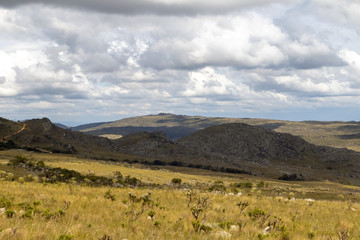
pixel 350 128
pixel 350 136
pixel 271 126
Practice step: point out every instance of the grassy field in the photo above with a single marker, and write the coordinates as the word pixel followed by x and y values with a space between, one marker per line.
pixel 243 207
pixel 91 216
pixel 270 209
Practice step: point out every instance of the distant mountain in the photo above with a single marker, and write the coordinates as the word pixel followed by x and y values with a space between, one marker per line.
pixel 61 126
pixel 175 126
pixel 333 134
pixel 234 147
pixel 87 126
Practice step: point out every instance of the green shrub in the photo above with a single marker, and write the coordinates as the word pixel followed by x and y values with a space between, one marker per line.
pixel 151 214
pixel 10 213
pixel 109 195
pixel 244 185
pixel 138 205
pixel 217 187
pixel 176 180
pixel 65 237
pixel 261 184
pixel 5 203
pixel 256 214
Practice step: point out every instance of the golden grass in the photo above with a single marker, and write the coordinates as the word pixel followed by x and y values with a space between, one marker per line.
pixel 91 216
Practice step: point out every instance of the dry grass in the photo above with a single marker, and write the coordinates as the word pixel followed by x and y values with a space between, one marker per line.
pixel 91 215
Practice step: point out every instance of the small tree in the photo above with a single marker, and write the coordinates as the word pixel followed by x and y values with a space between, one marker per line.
pixel 138 205
pixel 198 206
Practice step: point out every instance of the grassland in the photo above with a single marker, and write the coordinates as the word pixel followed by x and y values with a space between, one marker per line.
pixel 291 210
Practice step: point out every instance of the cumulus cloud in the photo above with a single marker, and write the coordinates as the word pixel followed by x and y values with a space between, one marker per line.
pixel 207 82
pixel 179 56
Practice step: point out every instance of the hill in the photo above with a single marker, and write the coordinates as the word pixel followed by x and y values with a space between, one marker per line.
pixel 43 135
pixel 228 147
pixel 248 148
pixel 334 134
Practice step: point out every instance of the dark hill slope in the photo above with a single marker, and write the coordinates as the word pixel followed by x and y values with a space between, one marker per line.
pixel 250 143
pixel 8 127
pixel 253 149
pixel 42 134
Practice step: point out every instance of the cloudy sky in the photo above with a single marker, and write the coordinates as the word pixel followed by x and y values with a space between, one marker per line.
pixel 79 61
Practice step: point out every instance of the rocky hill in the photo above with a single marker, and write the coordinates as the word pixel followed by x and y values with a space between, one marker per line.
pixel 333 134
pixel 235 146
pixel 43 135
pixel 252 149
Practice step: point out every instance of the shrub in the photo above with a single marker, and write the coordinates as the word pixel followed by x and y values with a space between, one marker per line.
pixel 18 160
pixel 5 203
pixel 65 237
pixel 292 177
pixel 242 205
pixel 106 237
pixel 138 205
pixel 10 213
pixel 244 185
pixel 176 180
pixel 256 214
pixel 118 176
pixel 21 179
pixel 261 184
pixel 151 214
pixel 217 187
pixel 198 206
pixel 132 181
pixel 109 195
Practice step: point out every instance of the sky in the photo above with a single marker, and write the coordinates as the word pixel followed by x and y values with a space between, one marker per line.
pixel 82 61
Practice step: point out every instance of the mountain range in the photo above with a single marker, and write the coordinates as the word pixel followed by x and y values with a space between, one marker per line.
pixel 234 147
pixel 330 133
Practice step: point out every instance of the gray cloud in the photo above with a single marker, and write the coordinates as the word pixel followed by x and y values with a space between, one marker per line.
pixel 162 7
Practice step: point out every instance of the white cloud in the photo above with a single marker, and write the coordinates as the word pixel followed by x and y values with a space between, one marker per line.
pixel 345 11
pixel 352 58
pixel 176 56
pixel 239 41
pixel 207 82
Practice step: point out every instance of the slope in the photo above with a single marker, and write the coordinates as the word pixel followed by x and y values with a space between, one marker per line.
pixel 248 148
pixel 333 134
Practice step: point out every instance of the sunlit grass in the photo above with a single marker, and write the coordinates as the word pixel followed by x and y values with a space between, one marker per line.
pixel 90 215
pixel 286 206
